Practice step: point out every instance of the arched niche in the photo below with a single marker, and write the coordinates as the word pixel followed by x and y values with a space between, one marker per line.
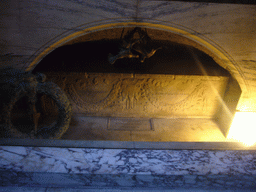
pixel 190 71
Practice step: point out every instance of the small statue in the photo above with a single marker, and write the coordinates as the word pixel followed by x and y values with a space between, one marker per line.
pixel 125 52
pixel 134 48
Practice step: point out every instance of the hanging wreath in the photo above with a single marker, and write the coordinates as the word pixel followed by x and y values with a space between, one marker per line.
pixel 18 85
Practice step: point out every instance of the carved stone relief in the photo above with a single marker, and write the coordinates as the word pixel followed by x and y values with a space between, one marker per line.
pixel 142 95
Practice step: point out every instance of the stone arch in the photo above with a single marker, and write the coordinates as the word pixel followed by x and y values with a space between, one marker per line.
pixel 173 34
pixel 177 33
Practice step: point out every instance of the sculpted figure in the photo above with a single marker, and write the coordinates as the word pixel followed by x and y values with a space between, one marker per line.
pixel 134 48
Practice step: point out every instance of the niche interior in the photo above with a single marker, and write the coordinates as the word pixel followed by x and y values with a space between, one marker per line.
pixel 180 93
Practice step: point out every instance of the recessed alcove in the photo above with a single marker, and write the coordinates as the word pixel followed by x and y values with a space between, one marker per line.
pixel 179 94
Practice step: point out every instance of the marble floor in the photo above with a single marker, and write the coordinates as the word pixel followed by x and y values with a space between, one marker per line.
pixel 144 129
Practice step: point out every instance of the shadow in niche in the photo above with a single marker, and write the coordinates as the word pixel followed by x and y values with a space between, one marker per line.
pixel 111 104
pixel 92 57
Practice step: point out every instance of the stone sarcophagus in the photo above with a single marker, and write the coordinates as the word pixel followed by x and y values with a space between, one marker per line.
pixel 142 95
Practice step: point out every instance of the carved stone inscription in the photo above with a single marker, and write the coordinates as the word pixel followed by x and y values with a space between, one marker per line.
pixel 142 95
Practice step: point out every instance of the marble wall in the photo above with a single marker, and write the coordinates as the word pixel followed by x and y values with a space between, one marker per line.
pixel 31 29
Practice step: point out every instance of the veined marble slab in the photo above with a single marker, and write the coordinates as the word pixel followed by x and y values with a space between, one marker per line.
pixel 127 161
pixel 87 167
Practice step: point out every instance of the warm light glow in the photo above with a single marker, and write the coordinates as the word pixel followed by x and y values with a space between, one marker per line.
pixel 243 128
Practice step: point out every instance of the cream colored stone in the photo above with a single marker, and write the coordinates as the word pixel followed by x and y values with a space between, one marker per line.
pixel 93 128
pixel 181 130
pixel 122 95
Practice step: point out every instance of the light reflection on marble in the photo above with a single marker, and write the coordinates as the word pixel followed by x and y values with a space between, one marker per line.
pixel 60 167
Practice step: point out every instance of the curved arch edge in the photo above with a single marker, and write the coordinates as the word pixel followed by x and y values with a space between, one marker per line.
pixel 220 56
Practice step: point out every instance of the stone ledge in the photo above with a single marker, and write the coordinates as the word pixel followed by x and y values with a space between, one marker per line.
pixel 126 144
